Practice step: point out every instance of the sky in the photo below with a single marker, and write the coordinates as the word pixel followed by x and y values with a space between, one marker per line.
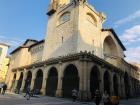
pixel 23 19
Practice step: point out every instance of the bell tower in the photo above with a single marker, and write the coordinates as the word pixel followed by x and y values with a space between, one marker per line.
pixel 73 26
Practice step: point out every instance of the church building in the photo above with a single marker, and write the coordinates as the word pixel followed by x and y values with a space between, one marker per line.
pixel 77 53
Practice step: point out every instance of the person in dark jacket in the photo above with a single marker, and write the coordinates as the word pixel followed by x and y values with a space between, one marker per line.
pixel 97 97
pixel 4 88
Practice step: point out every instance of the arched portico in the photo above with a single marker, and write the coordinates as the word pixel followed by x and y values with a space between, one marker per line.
pixel 38 81
pixel 94 80
pixel 52 82
pixel 70 80
pixel 107 82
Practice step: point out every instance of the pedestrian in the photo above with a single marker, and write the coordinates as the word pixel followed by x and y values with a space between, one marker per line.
pixel 74 94
pixel 27 95
pixel 4 89
pixel 97 97
pixel 106 98
pixel 0 88
pixel 115 100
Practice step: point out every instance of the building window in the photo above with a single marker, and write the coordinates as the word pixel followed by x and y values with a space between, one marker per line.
pixel 64 17
pixel 91 19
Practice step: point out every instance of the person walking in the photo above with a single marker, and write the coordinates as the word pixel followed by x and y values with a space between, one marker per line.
pixel 74 94
pixel 4 89
pixel 27 95
pixel 106 98
pixel 97 97
pixel 0 88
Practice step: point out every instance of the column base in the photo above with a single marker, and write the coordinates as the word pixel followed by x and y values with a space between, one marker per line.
pixel 84 96
pixel 43 91
pixel 59 93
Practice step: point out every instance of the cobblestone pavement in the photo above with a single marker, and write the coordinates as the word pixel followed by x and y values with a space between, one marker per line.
pixel 12 99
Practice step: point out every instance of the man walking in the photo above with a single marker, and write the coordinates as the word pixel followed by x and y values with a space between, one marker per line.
pixel 4 89
pixel 27 95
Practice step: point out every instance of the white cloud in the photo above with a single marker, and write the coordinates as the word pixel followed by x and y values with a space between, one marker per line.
pixel 131 35
pixel 129 18
pixel 13 42
pixel 133 54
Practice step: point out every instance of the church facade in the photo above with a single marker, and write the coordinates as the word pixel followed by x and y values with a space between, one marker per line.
pixel 77 53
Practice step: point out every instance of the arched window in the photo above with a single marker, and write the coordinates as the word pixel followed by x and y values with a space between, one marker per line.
pixel 91 19
pixel 64 17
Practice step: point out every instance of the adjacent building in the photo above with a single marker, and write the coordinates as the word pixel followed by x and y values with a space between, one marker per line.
pixel 4 61
pixel 76 53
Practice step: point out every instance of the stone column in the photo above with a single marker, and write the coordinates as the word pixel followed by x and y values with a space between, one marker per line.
pixel 32 83
pixel 45 76
pixel 111 85
pixel 123 95
pixel 43 89
pixel 119 86
pixel 33 78
pixel 59 92
pixel 23 81
pixel 102 80
pixel 131 90
pixel 84 92
pixel 15 86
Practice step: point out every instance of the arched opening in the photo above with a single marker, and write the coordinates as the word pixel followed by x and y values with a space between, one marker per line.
pixel 28 80
pixel 115 85
pixel 38 82
pixel 64 18
pixel 127 86
pixel 94 80
pixel 107 82
pixel 91 19
pixel 19 82
pixel 52 82
pixel 70 80
pixel 110 48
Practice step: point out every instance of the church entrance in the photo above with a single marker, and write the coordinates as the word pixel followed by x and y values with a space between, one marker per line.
pixel 107 82
pixel 28 80
pixel 94 80
pixel 70 80
pixel 19 83
pixel 52 82
pixel 38 82
pixel 115 85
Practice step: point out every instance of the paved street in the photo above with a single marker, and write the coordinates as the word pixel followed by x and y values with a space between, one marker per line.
pixel 20 100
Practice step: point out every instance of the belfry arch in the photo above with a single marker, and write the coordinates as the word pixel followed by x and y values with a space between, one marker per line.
pixel 70 80
pixel 52 82
pixel 94 80
pixel 109 47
